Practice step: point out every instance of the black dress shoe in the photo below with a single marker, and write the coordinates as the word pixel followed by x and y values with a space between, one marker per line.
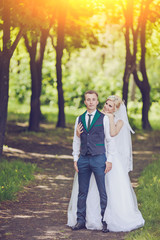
pixel 78 226
pixel 104 229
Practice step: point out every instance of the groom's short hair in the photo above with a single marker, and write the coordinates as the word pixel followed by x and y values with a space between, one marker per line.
pixel 91 92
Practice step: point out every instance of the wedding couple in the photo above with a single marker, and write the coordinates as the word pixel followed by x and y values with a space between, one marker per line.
pixel 102 196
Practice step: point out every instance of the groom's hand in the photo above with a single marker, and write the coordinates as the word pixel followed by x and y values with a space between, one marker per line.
pixel 108 167
pixel 75 166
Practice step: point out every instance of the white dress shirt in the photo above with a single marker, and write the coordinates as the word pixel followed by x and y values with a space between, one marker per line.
pixel 109 141
pixel 87 117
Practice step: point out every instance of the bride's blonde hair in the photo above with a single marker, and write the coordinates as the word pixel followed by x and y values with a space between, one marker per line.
pixel 117 101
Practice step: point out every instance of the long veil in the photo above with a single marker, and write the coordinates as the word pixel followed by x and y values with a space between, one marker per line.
pixel 123 139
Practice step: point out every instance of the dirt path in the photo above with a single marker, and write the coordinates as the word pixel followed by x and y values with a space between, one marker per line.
pixel 40 211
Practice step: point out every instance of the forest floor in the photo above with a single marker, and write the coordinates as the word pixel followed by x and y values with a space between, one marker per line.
pixel 40 209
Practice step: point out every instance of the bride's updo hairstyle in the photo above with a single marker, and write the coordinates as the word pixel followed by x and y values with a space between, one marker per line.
pixel 117 101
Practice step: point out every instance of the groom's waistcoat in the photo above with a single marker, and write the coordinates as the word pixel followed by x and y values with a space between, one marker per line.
pixel 92 139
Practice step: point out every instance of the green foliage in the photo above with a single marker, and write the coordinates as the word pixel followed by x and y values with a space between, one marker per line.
pixel 153 74
pixel 49 83
pixel 20 82
pixel 100 68
pixel 13 175
pixel 149 200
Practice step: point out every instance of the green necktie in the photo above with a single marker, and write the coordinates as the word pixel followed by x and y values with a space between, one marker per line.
pixel 89 120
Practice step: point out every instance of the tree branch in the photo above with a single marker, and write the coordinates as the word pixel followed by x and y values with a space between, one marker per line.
pixel 156 13
pixel 136 79
pixel 51 37
pixel 27 42
pixel 124 10
pixel 148 2
pixel 14 45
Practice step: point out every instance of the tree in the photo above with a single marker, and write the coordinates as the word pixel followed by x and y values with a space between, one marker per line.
pixel 144 84
pixel 15 21
pixel 135 41
pixel 6 52
pixel 36 59
pixel 134 16
pixel 61 20
pixel 39 21
pixel 72 30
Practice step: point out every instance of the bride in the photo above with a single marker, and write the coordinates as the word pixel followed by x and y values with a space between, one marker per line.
pixel 122 213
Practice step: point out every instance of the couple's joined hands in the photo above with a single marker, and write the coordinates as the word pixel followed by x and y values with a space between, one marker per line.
pixel 107 169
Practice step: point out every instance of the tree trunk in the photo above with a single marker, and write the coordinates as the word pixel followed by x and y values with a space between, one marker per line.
pixel 4 85
pixel 5 56
pixel 36 78
pixel 145 90
pixel 43 41
pixel 35 97
pixel 131 58
pixel 125 85
pixel 4 74
pixel 127 71
pixel 144 84
pixel 146 105
pixel 59 54
pixel 133 89
pixel 128 22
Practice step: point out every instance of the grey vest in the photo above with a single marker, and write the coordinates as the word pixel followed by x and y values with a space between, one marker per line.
pixel 92 140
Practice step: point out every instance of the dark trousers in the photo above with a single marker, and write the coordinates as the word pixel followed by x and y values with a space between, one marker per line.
pixel 86 165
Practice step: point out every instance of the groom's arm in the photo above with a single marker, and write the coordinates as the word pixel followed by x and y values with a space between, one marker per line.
pixel 109 144
pixel 76 146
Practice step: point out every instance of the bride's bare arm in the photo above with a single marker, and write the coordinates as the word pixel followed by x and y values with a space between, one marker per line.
pixel 114 128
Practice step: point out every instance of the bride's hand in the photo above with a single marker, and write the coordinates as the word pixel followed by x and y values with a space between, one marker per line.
pixel 79 129
pixel 107 113
pixel 110 115
pixel 108 167
pixel 75 166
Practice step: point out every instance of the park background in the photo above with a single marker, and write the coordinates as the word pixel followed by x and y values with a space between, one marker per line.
pixel 51 52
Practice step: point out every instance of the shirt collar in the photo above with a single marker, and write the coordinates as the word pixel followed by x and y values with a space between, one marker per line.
pixel 93 113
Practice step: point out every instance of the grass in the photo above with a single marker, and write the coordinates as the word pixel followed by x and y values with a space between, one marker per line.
pixel 135 115
pixel 148 194
pixel 20 112
pixel 14 175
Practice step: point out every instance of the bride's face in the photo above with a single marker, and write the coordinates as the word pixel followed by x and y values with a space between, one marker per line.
pixel 109 106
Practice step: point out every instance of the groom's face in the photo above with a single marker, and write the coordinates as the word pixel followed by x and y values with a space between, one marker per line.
pixel 91 102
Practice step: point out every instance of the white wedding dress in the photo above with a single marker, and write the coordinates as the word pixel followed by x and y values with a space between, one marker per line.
pixel 122 213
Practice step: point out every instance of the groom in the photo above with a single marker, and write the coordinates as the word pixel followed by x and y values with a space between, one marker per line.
pixel 96 149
